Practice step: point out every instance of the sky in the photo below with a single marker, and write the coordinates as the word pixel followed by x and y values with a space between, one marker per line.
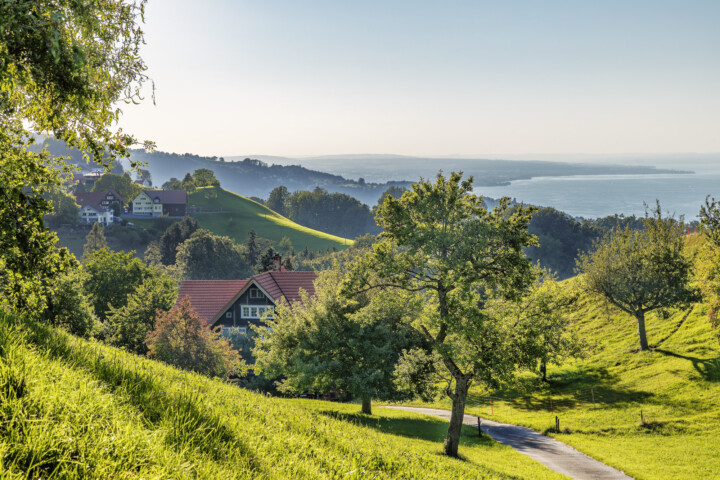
pixel 467 78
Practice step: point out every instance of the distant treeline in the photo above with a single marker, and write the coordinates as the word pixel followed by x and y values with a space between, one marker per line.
pixel 335 213
pixel 562 238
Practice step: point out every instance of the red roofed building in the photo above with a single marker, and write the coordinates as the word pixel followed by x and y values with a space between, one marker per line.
pixel 236 304
pixel 98 206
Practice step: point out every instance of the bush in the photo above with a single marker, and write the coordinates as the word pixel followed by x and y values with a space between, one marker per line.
pixel 182 338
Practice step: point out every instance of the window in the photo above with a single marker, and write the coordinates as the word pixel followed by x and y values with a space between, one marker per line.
pixel 228 315
pixel 256 312
pixel 232 331
pixel 255 293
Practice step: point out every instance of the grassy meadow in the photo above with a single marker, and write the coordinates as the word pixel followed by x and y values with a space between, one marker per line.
pixel 227 213
pixel 676 387
pixel 71 408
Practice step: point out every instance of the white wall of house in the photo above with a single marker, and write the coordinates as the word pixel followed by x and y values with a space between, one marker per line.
pixel 90 215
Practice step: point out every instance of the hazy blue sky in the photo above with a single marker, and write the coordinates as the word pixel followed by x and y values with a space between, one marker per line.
pixel 431 78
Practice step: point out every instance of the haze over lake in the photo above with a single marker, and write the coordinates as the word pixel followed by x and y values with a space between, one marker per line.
pixel 588 196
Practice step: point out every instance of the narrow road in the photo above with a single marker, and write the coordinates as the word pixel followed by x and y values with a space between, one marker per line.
pixel 550 452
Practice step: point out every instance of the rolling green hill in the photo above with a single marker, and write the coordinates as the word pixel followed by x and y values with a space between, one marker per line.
pixel 70 408
pixel 599 399
pixel 227 213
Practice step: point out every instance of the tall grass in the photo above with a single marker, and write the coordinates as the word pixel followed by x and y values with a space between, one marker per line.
pixel 70 408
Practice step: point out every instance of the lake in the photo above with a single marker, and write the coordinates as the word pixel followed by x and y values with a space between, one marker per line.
pixel 595 196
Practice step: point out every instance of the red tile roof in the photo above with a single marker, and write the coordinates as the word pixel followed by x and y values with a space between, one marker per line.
pixel 209 297
pixel 286 284
pixel 93 199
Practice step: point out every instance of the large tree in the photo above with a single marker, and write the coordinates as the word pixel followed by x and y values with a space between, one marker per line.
pixel 205 256
pixel 122 184
pixel 204 177
pixel 64 66
pixel 128 325
pixel 710 263
pixel 111 277
pixel 440 241
pixel 277 200
pixel 331 342
pixel 174 236
pixel 639 271
pixel 65 210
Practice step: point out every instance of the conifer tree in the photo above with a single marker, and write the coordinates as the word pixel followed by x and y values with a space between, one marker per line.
pixel 95 240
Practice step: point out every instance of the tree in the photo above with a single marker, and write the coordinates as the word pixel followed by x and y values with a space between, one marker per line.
pixel 285 246
pixel 205 256
pixel 111 277
pixel 639 271
pixel 128 325
pixel 65 68
pixel 441 242
pixel 277 200
pixel 392 191
pixel 331 342
pixel 65 210
pixel 252 249
pixel 710 260
pixel 182 338
pixel 145 175
pixel 122 184
pixel 95 240
pixel 203 177
pixel 68 307
pixel 540 323
pixel 174 236
pixel 266 263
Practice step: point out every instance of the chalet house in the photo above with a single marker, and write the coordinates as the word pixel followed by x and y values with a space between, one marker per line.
pixel 234 305
pixel 98 206
pixel 161 202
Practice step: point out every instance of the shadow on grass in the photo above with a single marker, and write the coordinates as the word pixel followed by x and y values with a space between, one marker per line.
pixel 430 429
pixel 583 385
pixel 708 368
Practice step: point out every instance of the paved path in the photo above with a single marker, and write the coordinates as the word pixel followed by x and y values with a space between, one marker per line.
pixel 548 451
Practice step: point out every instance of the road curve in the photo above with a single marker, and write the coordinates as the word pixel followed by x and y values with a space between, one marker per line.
pixel 552 453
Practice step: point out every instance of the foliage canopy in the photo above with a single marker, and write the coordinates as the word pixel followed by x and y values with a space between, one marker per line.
pixel 642 270
pixel 440 241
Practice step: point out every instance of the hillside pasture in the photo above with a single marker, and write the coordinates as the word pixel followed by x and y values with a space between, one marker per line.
pixel 70 408
pixel 653 415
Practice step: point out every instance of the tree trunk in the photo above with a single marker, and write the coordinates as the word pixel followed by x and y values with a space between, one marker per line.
pixel 640 317
pixel 452 440
pixel 543 371
pixel 366 408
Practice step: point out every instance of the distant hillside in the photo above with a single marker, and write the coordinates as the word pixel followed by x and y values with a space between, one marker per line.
pixel 255 178
pixel 227 213
pixel 487 172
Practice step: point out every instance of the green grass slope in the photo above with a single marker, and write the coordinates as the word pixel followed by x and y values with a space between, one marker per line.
pixel 227 213
pixel 70 408
pixel 676 387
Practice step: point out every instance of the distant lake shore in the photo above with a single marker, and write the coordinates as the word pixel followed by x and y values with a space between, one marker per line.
pixel 593 196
